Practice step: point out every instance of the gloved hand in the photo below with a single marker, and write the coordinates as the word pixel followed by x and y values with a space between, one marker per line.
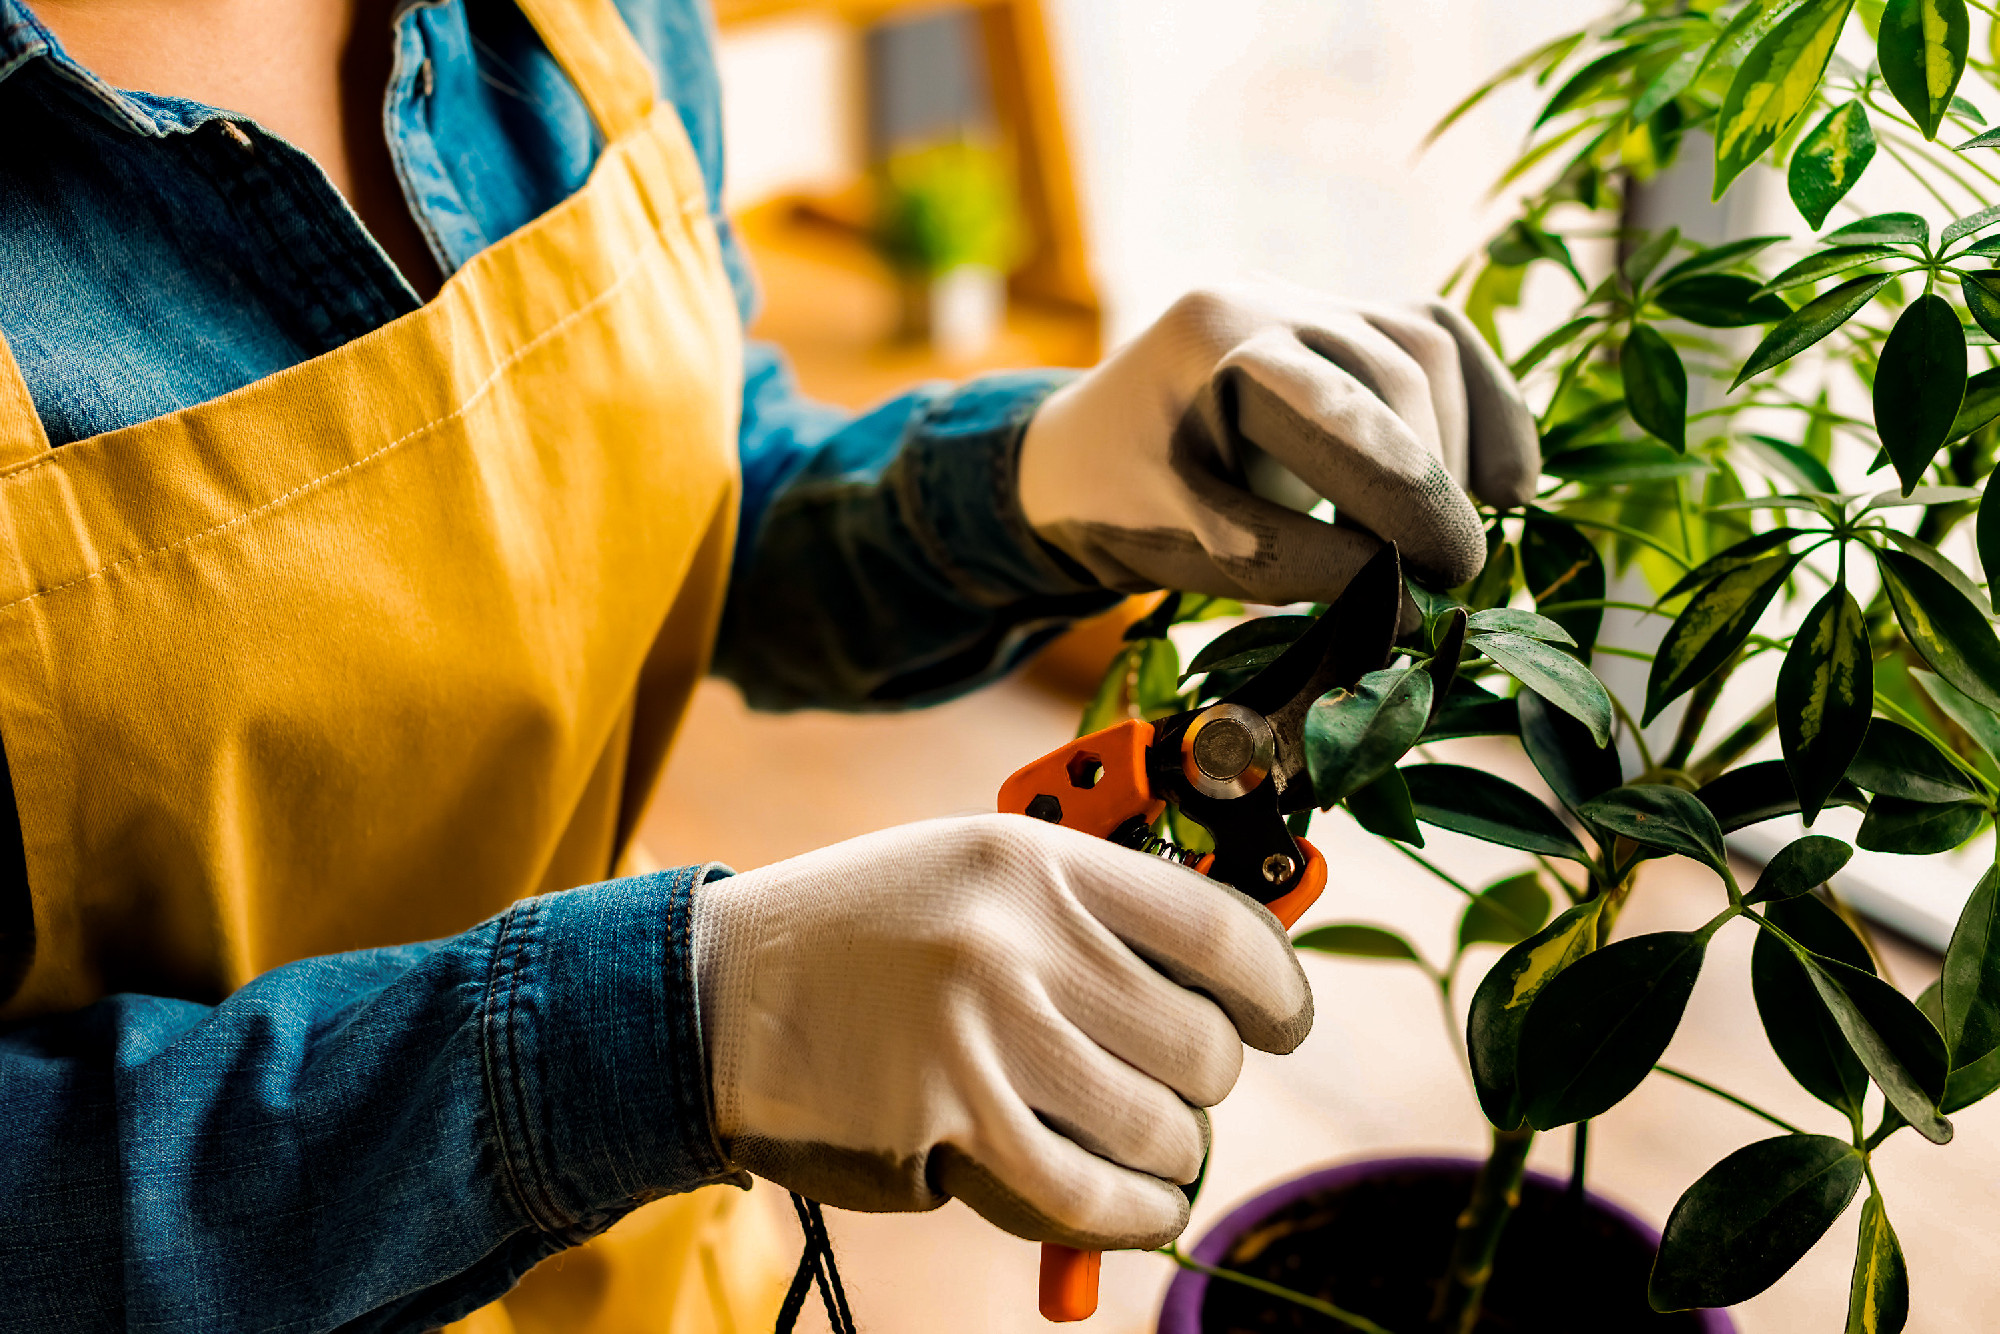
pixel 992 1008
pixel 1153 470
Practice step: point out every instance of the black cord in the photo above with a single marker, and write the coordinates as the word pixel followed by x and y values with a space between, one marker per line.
pixel 816 1267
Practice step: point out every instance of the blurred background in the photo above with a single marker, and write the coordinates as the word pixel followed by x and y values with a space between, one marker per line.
pixel 928 190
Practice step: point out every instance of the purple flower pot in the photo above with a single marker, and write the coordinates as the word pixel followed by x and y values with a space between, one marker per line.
pixel 1181 1312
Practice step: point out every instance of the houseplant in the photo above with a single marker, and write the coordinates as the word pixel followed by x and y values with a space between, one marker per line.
pixel 1758 535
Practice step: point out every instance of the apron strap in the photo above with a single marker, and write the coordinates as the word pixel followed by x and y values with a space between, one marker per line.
pixel 21 433
pixel 590 41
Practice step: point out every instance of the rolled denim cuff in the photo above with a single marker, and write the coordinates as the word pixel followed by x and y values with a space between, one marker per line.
pixel 593 1052
pixel 957 477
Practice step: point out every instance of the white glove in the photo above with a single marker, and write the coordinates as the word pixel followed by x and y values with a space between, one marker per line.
pixel 1153 470
pixel 989 1007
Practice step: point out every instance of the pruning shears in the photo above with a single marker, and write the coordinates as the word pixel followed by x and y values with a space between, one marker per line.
pixel 1237 767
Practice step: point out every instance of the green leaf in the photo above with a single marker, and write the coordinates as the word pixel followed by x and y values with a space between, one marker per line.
pixel 1561 565
pixel 1810 323
pixel 1919 384
pixel 1988 530
pixel 1801 865
pixel 1501 1002
pixel 1762 791
pixel 1722 301
pixel 1472 710
pixel 1493 810
pixel 1577 427
pixel 1156 685
pixel 1805 1038
pixel 1358 941
pixel 1555 676
pixel 1922 54
pixel 1506 911
pixel 1951 634
pixel 1655 385
pixel 1353 736
pixel 1559 338
pixel 1669 84
pixel 1383 808
pixel 1902 1052
pixel 1979 722
pixel 1898 761
pixel 1961 228
pixel 1981 289
pixel 1969 1084
pixel 1989 139
pixel 1277 632
pixel 1883 229
pixel 1794 464
pixel 1596 1029
pixel 1826 692
pixel 1715 259
pixel 1830 160
pixel 1591 80
pixel 1654 815
pixel 1940 564
pixel 1774 85
pixel 1825 263
pixel 1107 706
pixel 1523 243
pixel 1621 462
pixel 1571 761
pixel 1971 981
pixel 1710 628
pixel 1750 1218
pixel 1878 1296
pixel 1917 829
pixel 1645 257
pixel 1248 660
pixel 1981 405
pixel 1448 647
pixel 1923 495
pixel 1524 623
pixel 1744 554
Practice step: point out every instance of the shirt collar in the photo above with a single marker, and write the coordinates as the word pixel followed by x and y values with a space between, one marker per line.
pixel 25 39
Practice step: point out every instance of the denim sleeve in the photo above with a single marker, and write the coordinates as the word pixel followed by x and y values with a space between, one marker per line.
pixel 883 559
pixel 380 1140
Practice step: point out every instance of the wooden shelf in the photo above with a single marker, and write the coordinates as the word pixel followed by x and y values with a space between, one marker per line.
pixel 832 304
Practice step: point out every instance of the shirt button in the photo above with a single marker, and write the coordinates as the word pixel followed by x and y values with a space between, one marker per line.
pixel 235 131
pixel 425 83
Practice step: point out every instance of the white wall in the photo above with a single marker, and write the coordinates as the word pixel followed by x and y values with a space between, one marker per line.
pixel 1215 138
pixel 1230 138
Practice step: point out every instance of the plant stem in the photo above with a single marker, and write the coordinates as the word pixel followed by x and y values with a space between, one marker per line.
pixel 1637 732
pixel 1495 1193
pixel 1701 703
pixel 1724 1094
pixel 1527 927
pixel 1327 1309
pixel 1579 1160
pixel 1737 744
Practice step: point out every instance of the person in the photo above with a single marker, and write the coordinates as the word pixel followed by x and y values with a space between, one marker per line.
pixel 381 464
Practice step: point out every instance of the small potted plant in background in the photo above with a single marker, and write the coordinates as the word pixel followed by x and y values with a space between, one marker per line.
pixel 1762 538
pixel 948 223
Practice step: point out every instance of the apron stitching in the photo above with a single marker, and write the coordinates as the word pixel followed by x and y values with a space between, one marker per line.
pixel 471 399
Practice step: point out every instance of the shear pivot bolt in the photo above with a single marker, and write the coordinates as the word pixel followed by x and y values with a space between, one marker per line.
pixel 1227 751
pixel 1278 868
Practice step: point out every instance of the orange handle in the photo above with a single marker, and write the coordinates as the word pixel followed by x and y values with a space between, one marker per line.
pixel 1069 1283
pixel 1096 783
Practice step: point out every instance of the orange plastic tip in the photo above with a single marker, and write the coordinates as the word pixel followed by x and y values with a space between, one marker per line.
pixel 1069 1283
pixel 1291 906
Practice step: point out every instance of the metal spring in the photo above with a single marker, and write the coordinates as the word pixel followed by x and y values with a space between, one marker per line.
pixel 1136 835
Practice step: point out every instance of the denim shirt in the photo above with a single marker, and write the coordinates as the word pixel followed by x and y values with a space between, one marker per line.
pixel 389 1139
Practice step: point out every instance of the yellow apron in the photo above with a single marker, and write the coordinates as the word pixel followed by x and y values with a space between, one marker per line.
pixel 364 652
